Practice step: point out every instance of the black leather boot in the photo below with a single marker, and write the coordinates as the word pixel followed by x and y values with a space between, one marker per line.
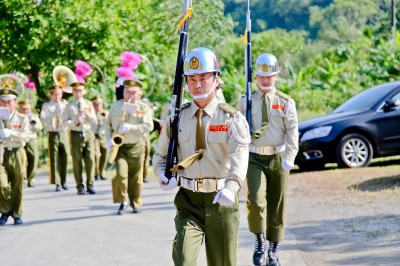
pixel 259 250
pixel 273 258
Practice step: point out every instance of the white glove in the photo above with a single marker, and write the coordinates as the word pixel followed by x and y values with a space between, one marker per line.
pixel 125 128
pixel 286 165
pixel 166 184
pixel 5 133
pixel 109 144
pixel 58 107
pixel 225 197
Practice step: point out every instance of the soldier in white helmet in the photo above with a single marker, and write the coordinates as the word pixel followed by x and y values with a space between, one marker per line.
pixel 213 142
pixel 273 148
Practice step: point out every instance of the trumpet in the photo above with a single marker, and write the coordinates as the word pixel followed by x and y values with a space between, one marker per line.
pixel 118 139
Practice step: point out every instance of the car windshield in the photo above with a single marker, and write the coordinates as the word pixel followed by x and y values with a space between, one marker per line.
pixel 366 99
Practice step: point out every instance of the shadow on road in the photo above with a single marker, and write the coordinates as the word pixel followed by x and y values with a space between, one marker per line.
pixel 378 184
pixel 353 241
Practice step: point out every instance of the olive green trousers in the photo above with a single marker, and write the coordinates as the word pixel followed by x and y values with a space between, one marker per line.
pixel 82 149
pixel 266 196
pixel 32 156
pixel 100 147
pixel 199 220
pixel 58 146
pixel 128 183
pixel 12 174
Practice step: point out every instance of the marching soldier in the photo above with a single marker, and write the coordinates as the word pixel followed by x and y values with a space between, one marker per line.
pixel 100 143
pixel 213 143
pixel 31 147
pixel 272 152
pixel 129 120
pixel 51 116
pixel 79 115
pixel 14 133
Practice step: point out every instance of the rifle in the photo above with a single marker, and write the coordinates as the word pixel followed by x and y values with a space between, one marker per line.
pixel 248 66
pixel 172 157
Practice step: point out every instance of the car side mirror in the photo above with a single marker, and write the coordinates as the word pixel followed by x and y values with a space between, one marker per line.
pixel 389 104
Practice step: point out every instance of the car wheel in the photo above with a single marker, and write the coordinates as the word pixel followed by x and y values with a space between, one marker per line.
pixel 354 150
pixel 311 166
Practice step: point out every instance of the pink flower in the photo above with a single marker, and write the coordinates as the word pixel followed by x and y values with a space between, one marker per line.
pixel 125 73
pixel 82 70
pixel 130 60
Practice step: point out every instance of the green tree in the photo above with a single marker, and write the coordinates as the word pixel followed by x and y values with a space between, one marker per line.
pixel 37 37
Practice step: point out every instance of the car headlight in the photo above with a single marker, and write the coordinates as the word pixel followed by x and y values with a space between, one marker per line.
pixel 315 133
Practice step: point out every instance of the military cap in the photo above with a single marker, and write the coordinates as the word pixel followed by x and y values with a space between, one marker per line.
pixel 25 104
pixel 133 85
pixel 8 86
pixel 78 85
pixel 55 88
pixel 97 99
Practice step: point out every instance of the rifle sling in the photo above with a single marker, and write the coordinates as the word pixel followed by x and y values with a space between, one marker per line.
pixel 186 163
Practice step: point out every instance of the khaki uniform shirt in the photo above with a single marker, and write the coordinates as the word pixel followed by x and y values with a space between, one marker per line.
pixel 223 156
pixel 71 113
pixel 98 128
pixel 19 124
pixel 35 125
pixel 141 119
pixel 282 128
pixel 51 115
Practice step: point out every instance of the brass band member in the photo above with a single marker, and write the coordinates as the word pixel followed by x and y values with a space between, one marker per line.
pixel 100 142
pixel 130 125
pixel 14 133
pixel 31 147
pixel 79 115
pixel 58 142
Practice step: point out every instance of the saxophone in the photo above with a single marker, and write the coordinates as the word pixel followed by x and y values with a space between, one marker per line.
pixel 118 139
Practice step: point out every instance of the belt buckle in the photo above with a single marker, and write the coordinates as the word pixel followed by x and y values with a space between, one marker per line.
pixel 205 185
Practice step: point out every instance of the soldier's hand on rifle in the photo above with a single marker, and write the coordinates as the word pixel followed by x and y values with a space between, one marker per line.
pixel 225 197
pixel 166 184
pixel 125 128
pixel 5 133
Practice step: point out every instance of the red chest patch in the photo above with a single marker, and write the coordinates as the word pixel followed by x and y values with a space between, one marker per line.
pixel 277 106
pixel 218 128
pixel 139 112
pixel 16 126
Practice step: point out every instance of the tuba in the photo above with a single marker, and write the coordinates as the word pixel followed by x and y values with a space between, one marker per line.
pixel 64 77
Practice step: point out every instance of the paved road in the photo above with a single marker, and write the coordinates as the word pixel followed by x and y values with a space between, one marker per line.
pixel 62 228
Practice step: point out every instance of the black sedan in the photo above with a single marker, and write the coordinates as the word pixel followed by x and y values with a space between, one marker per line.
pixel 366 126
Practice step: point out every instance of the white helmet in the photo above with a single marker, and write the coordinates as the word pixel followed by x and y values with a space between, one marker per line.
pixel 201 60
pixel 267 65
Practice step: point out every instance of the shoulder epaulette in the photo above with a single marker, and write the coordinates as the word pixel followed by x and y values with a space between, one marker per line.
pixel 227 108
pixel 185 105
pixel 282 94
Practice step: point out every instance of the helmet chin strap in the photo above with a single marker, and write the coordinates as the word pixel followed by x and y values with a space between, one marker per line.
pixel 265 88
pixel 205 95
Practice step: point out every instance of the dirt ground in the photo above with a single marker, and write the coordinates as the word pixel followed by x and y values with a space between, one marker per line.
pixel 345 216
